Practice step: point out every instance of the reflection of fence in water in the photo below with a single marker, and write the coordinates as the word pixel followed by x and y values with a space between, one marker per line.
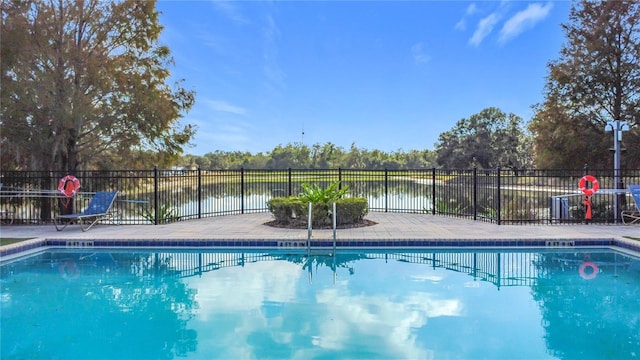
pixel 186 264
pixel 500 269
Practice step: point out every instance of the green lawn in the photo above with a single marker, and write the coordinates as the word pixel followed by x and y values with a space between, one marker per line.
pixel 7 241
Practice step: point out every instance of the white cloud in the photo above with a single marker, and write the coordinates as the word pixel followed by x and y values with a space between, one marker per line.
pixel 485 26
pixel 231 11
pixel 221 125
pixel 462 24
pixel 524 20
pixel 225 296
pixel 471 9
pixel 223 106
pixel 385 320
pixel 273 72
pixel 216 134
pixel 211 40
pixel 419 54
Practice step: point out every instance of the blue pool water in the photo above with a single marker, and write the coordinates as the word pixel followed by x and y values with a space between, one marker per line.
pixel 440 303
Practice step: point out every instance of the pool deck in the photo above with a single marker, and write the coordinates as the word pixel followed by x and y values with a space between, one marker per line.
pixel 390 227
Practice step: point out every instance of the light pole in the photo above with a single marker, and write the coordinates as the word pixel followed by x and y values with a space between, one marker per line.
pixel 617 127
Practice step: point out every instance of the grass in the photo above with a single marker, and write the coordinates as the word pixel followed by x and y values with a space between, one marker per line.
pixel 7 241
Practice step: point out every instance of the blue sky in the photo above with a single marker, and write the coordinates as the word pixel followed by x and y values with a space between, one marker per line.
pixel 387 75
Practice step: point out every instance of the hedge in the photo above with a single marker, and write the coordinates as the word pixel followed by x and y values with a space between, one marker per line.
pixel 293 211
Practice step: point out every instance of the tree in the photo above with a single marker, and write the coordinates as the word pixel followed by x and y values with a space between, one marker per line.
pixel 319 156
pixel 291 156
pixel 353 159
pixel 85 83
pixel 488 139
pixel 595 80
pixel 326 156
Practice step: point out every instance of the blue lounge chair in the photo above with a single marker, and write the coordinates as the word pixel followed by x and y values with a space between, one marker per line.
pixel 633 216
pixel 98 209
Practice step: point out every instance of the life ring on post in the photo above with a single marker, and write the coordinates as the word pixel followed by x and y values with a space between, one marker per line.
pixel 69 185
pixel 583 185
pixel 591 274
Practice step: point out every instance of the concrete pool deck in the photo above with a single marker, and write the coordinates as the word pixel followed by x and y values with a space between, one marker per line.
pixel 390 226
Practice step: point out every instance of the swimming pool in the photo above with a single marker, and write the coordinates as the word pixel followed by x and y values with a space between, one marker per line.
pixel 424 303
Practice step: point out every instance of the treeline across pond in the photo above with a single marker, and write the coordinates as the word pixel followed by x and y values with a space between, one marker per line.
pixel 487 140
pixel 300 156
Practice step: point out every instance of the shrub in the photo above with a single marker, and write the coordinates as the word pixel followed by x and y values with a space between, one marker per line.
pixel 351 210
pixel 600 212
pixel 166 214
pixel 288 210
pixel 294 210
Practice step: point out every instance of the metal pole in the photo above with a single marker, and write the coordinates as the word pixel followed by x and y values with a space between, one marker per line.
pixel 199 193
pixel 289 181
pixel 475 193
pixel 433 191
pixel 499 197
pixel 386 190
pixel 242 190
pixel 617 127
pixel 309 226
pixel 334 227
pixel 156 196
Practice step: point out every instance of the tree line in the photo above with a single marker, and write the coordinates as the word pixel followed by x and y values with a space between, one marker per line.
pixel 488 139
pixel 318 156
pixel 85 85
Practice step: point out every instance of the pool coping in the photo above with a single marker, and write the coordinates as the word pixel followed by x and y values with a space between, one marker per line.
pixel 11 251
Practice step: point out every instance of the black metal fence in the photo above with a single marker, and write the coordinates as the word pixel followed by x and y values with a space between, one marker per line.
pixel 159 196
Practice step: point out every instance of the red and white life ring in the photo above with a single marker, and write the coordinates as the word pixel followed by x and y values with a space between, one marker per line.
pixel 583 185
pixel 591 274
pixel 69 185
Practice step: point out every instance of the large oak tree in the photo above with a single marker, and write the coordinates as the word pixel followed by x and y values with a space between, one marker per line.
pixel 595 80
pixel 85 85
pixel 489 139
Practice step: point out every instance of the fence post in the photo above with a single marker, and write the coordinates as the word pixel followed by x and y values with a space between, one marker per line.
pixel 339 178
pixel 199 193
pixel 156 196
pixel 586 172
pixel 433 191
pixel 386 190
pixel 289 182
pixel 46 207
pixel 475 193
pixel 499 198
pixel 242 190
